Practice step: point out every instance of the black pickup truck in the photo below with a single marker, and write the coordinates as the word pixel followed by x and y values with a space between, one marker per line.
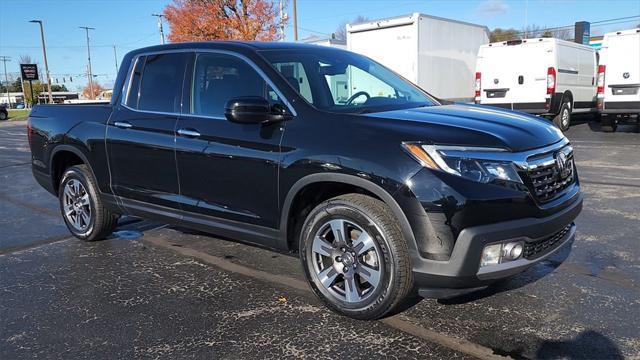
pixel 380 187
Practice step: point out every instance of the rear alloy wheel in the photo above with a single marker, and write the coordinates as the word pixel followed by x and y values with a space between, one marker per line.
pixel 81 207
pixel 355 257
pixel 563 119
pixel 3 115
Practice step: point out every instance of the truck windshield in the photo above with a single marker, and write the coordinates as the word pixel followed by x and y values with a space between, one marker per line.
pixel 341 81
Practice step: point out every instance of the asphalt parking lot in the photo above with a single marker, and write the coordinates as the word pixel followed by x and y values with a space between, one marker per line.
pixel 161 292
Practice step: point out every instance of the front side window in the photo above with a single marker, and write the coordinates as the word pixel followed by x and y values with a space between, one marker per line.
pixel 217 78
pixel 342 81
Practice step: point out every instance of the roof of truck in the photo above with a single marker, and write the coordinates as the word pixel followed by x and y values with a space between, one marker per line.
pixel 533 41
pixel 379 23
pixel 622 32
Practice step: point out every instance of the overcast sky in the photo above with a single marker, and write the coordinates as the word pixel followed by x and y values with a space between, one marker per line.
pixel 129 24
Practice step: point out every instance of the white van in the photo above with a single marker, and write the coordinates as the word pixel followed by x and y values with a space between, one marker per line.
pixel 619 77
pixel 544 76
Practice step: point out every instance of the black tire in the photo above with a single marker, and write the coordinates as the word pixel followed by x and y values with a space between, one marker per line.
pixel 4 115
pixel 102 221
pixel 608 123
pixel 373 216
pixel 563 119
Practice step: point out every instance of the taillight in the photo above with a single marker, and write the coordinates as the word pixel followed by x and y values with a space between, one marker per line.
pixel 601 71
pixel 551 80
pixel 478 83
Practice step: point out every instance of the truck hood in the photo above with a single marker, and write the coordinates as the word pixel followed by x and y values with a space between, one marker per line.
pixel 474 125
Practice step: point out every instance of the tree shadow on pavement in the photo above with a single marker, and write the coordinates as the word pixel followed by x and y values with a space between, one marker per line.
pixel 587 345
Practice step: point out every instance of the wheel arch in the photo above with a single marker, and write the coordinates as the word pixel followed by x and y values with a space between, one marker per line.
pixel 368 187
pixel 62 157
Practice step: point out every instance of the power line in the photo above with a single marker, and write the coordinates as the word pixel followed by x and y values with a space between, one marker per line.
pixel 598 23
pixel 123 45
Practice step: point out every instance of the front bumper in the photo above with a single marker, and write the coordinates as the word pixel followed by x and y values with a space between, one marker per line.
pixel 462 273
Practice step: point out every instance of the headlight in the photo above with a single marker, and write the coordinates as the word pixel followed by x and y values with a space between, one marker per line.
pixel 465 162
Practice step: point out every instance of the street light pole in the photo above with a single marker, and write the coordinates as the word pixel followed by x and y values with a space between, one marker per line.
pixel 115 58
pixel 4 59
pixel 90 75
pixel 160 16
pixel 295 21
pixel 46 64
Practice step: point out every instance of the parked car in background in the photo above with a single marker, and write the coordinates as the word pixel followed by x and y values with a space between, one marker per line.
pixel 4 114
pixel 379 197
pixel 434 53
pixel 619 78
pixel 544 76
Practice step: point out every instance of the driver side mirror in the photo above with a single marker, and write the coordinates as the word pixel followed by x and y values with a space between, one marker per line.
pixel 254 110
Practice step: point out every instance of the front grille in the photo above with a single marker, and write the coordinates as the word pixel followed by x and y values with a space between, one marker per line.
pixel 549 181
pixel 535 249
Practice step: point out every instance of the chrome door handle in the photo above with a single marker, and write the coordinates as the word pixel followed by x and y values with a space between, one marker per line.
pixel 188 133
pixel 122 124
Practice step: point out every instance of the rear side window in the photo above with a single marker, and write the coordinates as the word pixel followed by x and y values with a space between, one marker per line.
pixel 217 78
pixel 158 83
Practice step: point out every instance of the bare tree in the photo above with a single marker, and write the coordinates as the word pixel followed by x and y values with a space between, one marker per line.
pixel 341 30
pixel 25 59
pixel 532 31
pixel 564 34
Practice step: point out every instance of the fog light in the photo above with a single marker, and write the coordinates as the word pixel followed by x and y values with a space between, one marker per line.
pixel 491 255
pixel 501 253
pixel 512 251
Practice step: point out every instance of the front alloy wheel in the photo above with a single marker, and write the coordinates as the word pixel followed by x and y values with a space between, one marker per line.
pixel 346 260
pixel 355 256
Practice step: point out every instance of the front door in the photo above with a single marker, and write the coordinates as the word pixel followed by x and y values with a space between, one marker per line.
pixel 141 133
pixel 227 170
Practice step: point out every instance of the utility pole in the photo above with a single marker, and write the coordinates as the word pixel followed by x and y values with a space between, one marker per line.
pixel 90 75
pixel 46 64
pixel 115 58
pixel 4 59
pixel 160 16
pixel 295 21
pixel 526 18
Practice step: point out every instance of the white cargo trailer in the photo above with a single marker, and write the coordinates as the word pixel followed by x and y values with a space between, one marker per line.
pixel 437 54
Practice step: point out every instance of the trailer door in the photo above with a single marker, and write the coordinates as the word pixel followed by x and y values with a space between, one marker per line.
pixel 395 47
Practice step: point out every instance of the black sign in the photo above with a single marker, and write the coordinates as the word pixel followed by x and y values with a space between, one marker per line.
pixel 582 32
pixel 29 71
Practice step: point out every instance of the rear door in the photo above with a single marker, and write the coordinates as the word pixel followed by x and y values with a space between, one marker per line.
pixel 622 79
pixel 140 135
pixel 515 74
pixel 227 170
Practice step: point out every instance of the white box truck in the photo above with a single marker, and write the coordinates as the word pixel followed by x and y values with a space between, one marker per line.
pixel 437 54
pixel 545 76
pixel 619 78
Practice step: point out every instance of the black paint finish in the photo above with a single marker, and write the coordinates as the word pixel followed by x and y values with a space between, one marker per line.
pixel 236 178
